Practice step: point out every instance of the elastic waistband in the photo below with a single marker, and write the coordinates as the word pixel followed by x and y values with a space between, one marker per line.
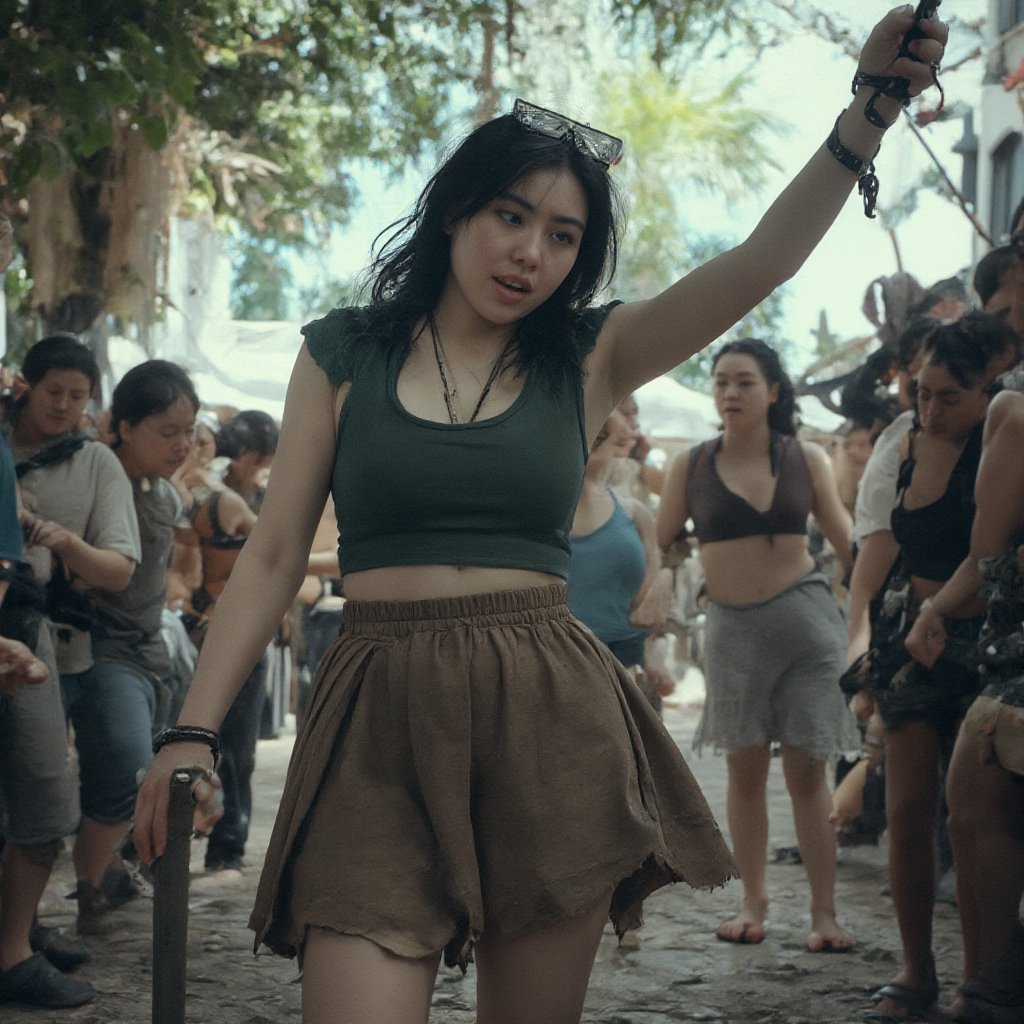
pixel 813 578
pixel 500 608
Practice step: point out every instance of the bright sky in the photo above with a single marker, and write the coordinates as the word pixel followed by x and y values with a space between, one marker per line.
pixel 804 83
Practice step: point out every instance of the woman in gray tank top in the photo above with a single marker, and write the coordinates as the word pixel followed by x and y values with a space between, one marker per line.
pixel 476 777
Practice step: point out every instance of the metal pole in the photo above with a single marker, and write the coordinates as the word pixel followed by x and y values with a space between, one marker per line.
pixel 170 902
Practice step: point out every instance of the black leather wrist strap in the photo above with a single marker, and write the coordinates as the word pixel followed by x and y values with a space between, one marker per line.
pixel 189 734
pixel 867 180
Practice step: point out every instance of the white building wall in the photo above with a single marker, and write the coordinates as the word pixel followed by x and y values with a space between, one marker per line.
pixel 1001 113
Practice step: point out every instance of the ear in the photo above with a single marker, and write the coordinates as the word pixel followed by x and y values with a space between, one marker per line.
pixel 20 387
pixel 773 393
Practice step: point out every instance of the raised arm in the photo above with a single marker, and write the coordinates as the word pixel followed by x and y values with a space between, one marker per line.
pixel 642 340
pixel 262 584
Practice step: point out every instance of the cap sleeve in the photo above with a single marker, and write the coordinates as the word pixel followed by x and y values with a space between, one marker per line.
pixel 336 342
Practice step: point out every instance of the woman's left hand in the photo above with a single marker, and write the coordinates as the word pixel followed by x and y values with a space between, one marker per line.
pixel 927 638
pixel 880 55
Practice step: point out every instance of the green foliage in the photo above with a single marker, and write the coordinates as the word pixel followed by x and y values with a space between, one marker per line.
pixel 262 281
pixel 690 24
pixel 259 102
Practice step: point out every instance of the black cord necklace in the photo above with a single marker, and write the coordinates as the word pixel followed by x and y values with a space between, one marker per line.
pixel 450 393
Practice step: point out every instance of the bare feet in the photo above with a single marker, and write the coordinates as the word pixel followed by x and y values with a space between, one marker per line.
pixel 826 935
pixel 747 927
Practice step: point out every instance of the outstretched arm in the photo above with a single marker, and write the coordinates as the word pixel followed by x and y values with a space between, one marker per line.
pixel 642 340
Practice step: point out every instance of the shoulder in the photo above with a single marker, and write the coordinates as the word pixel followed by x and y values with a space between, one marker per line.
pixel 1006 408
pixel 339 341
pixel 101 460
pixel 814 455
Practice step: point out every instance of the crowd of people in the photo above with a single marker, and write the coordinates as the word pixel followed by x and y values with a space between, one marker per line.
pixel 481 773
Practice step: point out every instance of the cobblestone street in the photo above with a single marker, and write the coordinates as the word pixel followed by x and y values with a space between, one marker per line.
pixel 673 970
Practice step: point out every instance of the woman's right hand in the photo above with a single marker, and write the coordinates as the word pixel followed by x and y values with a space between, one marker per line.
pixel 927 638
pixel 149 830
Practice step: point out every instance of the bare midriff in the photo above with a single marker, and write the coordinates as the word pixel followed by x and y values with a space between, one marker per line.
pixel 423 582
pixel 752 569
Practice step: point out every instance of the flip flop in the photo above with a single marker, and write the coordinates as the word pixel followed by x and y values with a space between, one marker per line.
pixel 916 1001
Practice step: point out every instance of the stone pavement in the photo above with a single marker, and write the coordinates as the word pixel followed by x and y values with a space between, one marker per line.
pixel 673 971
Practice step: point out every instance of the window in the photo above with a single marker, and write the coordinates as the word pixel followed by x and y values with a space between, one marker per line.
pixel 1010 13
pixel 1007 183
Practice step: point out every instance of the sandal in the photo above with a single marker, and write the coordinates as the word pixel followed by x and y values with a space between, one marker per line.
pixel 917 1002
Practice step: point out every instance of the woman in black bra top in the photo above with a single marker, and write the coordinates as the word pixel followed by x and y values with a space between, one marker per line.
pixel 922 707
pixel 775 633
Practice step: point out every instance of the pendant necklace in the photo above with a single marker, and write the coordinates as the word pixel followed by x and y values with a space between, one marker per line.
pixel 450 393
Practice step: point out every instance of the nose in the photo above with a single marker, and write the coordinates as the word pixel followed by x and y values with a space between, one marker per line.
pixel 528 248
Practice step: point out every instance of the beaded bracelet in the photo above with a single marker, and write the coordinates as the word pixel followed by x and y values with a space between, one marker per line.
pixel 867 180
pixel 189 734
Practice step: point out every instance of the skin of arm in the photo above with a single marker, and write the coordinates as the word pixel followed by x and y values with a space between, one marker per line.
pixel 262 584
pixel 827 507
pixel 999 497
pixel 642 340
pixel 673 510
pixel 96 567
pixel 875 558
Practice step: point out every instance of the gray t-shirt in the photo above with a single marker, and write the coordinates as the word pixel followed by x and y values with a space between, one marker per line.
pixel 90 495
pixel 128 624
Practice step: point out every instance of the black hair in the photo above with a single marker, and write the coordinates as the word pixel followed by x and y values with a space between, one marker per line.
pixel 412 264
pixel 249 431
pixel 864 399
pixel 782 414
pixel 913 338
pixel 991 269
pixel 60 352
pixel 148 389
pixel 967 346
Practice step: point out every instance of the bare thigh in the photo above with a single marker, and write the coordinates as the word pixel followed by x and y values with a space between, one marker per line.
pixel 347 979
pixel 540 978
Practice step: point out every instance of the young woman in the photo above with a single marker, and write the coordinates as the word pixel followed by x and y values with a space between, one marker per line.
pixel 445 791
pixel 921 707
pixel 615 556
pixel 114 704
pixel 774 632
pixel 985 784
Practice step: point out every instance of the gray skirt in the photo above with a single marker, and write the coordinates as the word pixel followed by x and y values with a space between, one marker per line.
pixel 475 766
pixel 772 671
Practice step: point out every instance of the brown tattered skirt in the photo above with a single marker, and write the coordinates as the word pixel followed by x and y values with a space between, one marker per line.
pixel 476 766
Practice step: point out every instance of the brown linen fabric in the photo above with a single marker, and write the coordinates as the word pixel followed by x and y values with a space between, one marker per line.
pixel 474 766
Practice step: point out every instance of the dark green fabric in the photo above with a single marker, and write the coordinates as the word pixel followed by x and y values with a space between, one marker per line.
pixel 497 492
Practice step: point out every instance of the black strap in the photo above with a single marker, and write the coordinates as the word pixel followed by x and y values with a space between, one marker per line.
pixel 53 454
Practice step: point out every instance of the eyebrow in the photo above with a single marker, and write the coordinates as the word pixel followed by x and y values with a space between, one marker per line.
pixel 514 197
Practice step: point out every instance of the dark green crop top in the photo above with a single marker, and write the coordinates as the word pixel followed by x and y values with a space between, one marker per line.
pixel 407 491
